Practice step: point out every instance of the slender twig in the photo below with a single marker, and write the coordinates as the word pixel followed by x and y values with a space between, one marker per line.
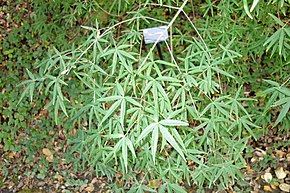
pixel 112 27
pixel 218 74
pixel 285 82
pixel 195 29
pixel 171 44
pixel 172 57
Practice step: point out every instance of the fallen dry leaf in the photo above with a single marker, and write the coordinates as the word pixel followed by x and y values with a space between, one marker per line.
pixel 267 189
pixel 259 152
pixel 253 160
pixel 58 177
pixel 249 169
pixel 11 155
pixel 288 157
pixel 280 173
pixel 46 152
pixel 89 188
pixel 49 156
pixel 280 153
pixel 94 180
pixel 155 183
pixel 276 184
pixel 267 177
pixel 284 187
pixel 273 186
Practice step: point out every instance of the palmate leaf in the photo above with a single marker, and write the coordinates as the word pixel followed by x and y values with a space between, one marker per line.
pixel 124 143
pixel 278 91
pixel 249 125
pixel 155 128
pixel 30 88
pixel 218 106
pixel 228 52
pixel 278 39
pixel 119 55
pixel 236 104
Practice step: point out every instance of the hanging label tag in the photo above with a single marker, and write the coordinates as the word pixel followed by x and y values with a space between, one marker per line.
pixel 151 35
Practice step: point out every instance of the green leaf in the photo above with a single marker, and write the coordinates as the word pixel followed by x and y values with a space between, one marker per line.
pixel 246 8
pixel 120 89
pixel 130 145
pixel 30 89
pixel 167 78
pixel 169 138
pixel 285 91
pixel 246 124
pixel 62 106
pixel 284 111
pixel 146 131
pixel 154 142
pixel 125 153
pixel 118 135
pixel 255 2
pixel 134 102
pixel 169 122
pixel 111 111
pixel 123 112
pixel 222 72
pixel 109 98
pixel 128 55
pixel 177 188
pixel 178 138
pixel 281 41
pixel 31 76
pixel 273 83
pixel 277 20
pixel 282 101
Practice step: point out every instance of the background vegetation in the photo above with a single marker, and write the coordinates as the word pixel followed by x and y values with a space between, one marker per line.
pixel 85 102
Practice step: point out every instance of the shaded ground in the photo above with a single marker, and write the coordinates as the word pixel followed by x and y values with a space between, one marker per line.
pixel 268 159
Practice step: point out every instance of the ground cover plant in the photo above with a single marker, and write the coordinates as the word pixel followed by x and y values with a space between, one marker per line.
pixel 105 105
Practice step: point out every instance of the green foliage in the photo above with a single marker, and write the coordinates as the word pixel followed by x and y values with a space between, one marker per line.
pixel 189 122
pixel 279 97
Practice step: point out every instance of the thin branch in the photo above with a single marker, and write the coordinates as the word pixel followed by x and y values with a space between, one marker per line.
pixel 197 32
pixel 172 57
pixel 221 89
pixel 171 44
pixel 112 27
pixel 285 82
